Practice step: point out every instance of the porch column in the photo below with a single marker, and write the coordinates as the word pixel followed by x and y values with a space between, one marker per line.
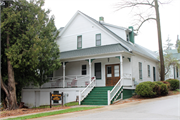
pixel 64 66
pixel 121 62
pixel 89 70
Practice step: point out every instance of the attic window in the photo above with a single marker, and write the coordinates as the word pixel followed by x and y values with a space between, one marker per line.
pixel 98 39
pixel 79 42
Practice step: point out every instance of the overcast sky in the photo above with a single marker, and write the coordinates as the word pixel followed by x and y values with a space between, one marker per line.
pixel 63 10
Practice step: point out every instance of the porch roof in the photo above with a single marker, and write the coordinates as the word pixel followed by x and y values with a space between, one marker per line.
pixel 93 51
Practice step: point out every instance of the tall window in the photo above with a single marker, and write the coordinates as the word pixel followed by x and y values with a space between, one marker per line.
pixel 140 70
pixel 148 70
pixel 84 70
pixel 98 39
pixel 79 42
pixel 177 72
pixel 97 70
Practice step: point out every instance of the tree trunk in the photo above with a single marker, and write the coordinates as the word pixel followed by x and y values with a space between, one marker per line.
pixel 159 40
pixel 10 90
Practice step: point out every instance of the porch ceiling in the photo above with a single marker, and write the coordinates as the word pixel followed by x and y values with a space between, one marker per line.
pixel 93 51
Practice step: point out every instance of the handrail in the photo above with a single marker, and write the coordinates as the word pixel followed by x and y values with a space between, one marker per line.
pixel 86 91
pixel 114 91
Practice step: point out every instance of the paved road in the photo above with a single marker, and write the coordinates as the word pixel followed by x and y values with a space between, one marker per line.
pixel 165 108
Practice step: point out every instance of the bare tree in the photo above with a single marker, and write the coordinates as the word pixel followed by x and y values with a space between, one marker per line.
pixel 150 12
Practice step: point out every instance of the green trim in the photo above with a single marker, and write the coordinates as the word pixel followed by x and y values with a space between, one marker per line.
pixel 128 93
pixel 96 39
pixel 129 59
pixel 131 34
pixel 118 57
pixel 140 71
pixel 91 60
pixel 81 42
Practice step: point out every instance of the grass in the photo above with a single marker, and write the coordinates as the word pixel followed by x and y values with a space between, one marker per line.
pixel 67 104
pixel 52 113
pixel 178 90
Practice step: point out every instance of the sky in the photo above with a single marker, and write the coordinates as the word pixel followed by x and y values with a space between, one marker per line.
pixel 63 10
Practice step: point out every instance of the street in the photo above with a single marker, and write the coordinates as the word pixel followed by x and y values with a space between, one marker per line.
pixel 164 108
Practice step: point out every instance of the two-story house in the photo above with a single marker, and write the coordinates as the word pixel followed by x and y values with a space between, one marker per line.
pixel 97 60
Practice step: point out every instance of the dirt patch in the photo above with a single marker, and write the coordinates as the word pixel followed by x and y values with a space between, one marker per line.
pixel 24 111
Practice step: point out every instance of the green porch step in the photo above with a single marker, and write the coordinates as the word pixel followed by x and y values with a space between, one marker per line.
pixel 98 96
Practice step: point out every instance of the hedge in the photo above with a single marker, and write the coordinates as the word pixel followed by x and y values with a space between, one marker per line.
pixel 174 83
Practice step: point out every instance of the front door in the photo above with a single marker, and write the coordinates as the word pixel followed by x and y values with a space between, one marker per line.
pixel 112 74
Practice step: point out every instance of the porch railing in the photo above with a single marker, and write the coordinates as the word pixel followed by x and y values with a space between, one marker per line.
pixel 87 90
pixel 114 91
pixel 81 81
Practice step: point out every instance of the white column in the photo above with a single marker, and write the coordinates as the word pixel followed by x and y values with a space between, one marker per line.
pixel 121 63
pixel 64 66
pixel 89 70
pixel 131 64
pixel 109 99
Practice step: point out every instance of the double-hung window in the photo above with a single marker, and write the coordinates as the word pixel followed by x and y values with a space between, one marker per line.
pixel 79 42
pixel 148 70
pixel 84 70
pixel 98 39
pixel 97 70
pixel 140 70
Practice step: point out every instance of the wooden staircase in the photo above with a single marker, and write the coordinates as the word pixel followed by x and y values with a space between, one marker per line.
pixel 98 96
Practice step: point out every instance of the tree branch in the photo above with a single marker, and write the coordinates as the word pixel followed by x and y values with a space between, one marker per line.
pixel 144 22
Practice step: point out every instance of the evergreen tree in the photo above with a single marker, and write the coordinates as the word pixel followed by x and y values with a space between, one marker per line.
pixel 29 49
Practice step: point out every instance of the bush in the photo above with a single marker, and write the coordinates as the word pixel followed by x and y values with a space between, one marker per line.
pixel 152 89
pixel 146 89
pixel 174 83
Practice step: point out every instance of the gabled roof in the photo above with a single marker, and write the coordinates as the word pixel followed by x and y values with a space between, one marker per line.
pixel 128 46
pixel 106 49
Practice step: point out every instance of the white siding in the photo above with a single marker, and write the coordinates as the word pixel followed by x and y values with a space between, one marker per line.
pixel 145 62
pixel 121 33
pixel 82 26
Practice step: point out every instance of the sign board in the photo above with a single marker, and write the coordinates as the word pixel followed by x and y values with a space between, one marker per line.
pixel 56 97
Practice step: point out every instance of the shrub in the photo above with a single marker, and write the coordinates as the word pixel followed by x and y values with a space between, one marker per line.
pixel 162 88
pixel 146 89
pixel 174 83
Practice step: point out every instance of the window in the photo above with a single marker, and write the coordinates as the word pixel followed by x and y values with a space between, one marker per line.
pixel 97 70
pixel 79 42
pixel 116 71
pixel 177 72
pixel 98 39
pixel 84 70
pixel 148 70
pixel 127 37
pixel 140 70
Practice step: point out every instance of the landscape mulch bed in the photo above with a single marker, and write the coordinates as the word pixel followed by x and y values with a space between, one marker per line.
pixel 24 111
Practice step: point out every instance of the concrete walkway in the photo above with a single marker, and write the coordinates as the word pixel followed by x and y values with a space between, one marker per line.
pixel 138 110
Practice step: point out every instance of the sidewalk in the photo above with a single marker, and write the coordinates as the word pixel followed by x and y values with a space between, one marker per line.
pixel 104 108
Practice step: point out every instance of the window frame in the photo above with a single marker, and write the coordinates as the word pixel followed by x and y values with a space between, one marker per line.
pixel 149 70
pixel 95 70
pixel 84 69
pixel 96 39
pixel 140 71
pixel 78 42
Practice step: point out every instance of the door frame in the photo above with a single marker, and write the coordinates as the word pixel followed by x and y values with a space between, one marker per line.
pixel 113 70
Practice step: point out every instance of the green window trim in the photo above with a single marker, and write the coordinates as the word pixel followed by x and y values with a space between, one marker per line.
pixel 98 39
pixel 140 70
pixel 149 71
pixel 79 47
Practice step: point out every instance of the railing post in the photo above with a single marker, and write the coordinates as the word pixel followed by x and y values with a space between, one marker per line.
pixel 79 97
pixel 122 94
pixel 109 99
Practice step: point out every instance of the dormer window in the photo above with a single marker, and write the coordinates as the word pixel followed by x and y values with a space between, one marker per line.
pixel 98 39
pixel 79 42
pixel 127 37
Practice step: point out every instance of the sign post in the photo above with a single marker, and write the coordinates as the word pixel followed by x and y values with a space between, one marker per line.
pixel 56 97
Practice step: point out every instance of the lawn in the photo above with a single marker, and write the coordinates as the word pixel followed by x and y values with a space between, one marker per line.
pixel 52 113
